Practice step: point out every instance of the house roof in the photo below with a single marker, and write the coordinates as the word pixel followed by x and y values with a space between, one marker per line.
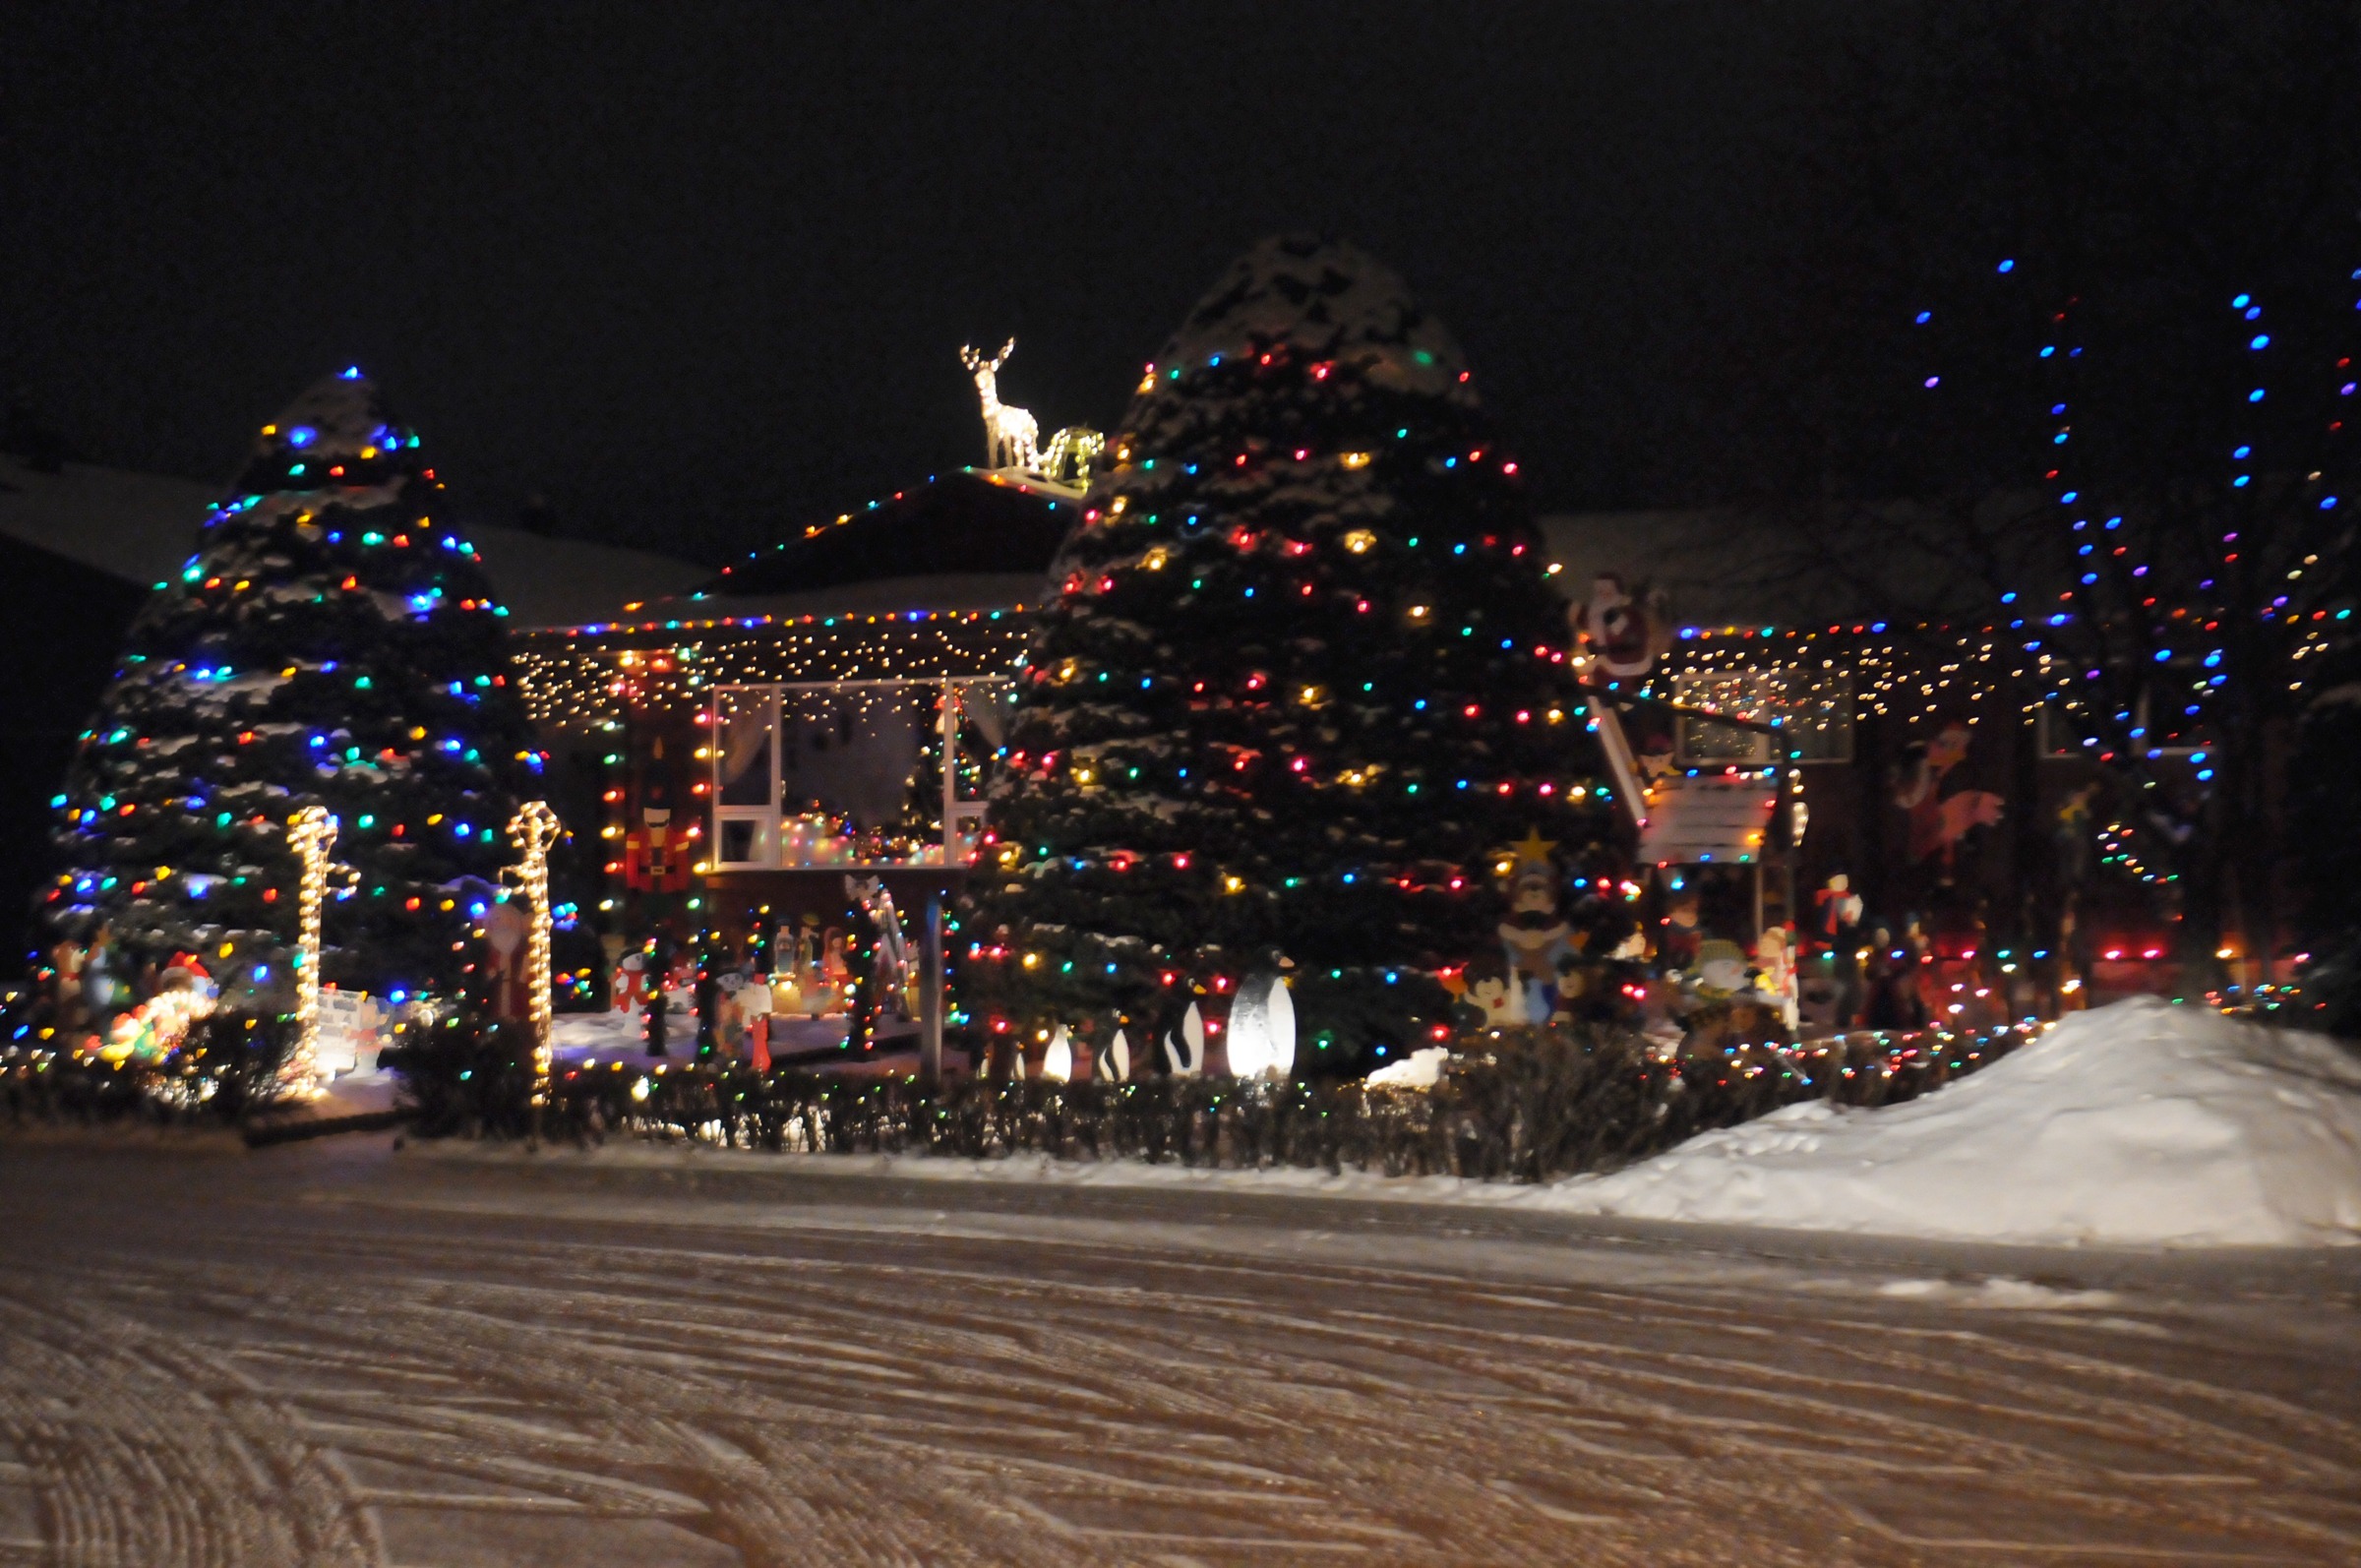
pixel 969 521
pixel 141 528
pixel 969 539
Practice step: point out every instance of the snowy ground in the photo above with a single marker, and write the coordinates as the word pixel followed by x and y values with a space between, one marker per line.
pixel 2139 1123
pixel 333 1352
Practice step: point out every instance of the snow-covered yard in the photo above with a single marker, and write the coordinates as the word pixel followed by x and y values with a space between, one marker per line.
pixel 335 1352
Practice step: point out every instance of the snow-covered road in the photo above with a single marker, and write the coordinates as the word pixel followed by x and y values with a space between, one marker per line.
pixel 338 1354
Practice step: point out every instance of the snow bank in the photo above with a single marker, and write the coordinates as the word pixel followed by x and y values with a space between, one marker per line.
pixel 608 1033
pixel 2142 1122
pixel 1420 1069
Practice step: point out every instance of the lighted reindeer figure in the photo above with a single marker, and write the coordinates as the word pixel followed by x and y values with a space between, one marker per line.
pixel 1010 435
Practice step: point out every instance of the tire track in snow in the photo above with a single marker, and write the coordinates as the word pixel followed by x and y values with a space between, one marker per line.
pixel 896 1390
pixel 146 1452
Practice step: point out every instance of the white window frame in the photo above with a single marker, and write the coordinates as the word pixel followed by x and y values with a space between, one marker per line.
pixel 962 820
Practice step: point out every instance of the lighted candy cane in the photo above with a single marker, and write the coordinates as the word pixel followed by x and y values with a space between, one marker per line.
pixel 312 834
pixel 532 830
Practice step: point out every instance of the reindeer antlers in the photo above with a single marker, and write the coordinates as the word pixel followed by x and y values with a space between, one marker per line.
pixel 975 361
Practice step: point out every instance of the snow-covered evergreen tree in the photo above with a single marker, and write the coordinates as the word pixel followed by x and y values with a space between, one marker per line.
pixel 332 643
pixel 1305 682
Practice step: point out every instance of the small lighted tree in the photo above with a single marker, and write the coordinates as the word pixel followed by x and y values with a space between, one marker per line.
pixel 331 642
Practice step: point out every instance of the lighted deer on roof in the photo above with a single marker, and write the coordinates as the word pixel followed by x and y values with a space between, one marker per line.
pixel 1009 434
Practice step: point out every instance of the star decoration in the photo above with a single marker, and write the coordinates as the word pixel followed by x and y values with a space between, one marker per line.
pixel 1532 849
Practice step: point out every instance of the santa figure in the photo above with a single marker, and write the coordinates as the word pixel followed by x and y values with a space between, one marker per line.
pixel 1624 635
pixel 504 929
pixel 754 1009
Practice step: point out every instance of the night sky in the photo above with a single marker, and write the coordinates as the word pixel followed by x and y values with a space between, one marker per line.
pixel 695 273
pixel 698 273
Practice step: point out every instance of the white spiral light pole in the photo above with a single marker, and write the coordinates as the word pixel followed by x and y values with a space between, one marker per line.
pixel 532 830
pixel 312 834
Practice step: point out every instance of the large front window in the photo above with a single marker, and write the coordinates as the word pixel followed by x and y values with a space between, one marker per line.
pixel 852 773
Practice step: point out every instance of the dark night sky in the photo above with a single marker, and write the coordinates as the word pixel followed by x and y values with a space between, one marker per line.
pixel 693 272
pixel 698 273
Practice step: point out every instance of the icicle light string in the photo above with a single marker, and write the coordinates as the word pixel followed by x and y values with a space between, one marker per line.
pixel 533 830
pixel 311 835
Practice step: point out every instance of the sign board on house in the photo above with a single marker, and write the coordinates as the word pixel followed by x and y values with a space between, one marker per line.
pixel 1707 818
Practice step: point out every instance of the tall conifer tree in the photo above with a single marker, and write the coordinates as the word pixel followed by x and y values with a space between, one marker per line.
pixel 334 642
pixel 1304 684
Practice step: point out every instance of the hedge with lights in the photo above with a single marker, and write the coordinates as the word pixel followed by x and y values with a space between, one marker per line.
pixel 1525 1104
pixel 1303 681
pixel 331 642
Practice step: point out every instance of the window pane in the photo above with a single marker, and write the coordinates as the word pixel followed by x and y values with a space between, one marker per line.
pixel 1815 707
pixel 1737 692
pixel 744 734
pixel 740 842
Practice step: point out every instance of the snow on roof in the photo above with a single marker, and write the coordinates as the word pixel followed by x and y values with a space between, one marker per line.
pixel 964 590
pixel 141 528
pixel 1331 300
pixel 2140 1123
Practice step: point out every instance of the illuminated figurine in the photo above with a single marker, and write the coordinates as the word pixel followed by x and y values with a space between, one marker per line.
pixel 505 930
pixel 655 855
pixel 1839 910
pixel 1625 633
pixel 1938 821
pixel 1534 938
pixel 1009 434
pixel 1775 975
